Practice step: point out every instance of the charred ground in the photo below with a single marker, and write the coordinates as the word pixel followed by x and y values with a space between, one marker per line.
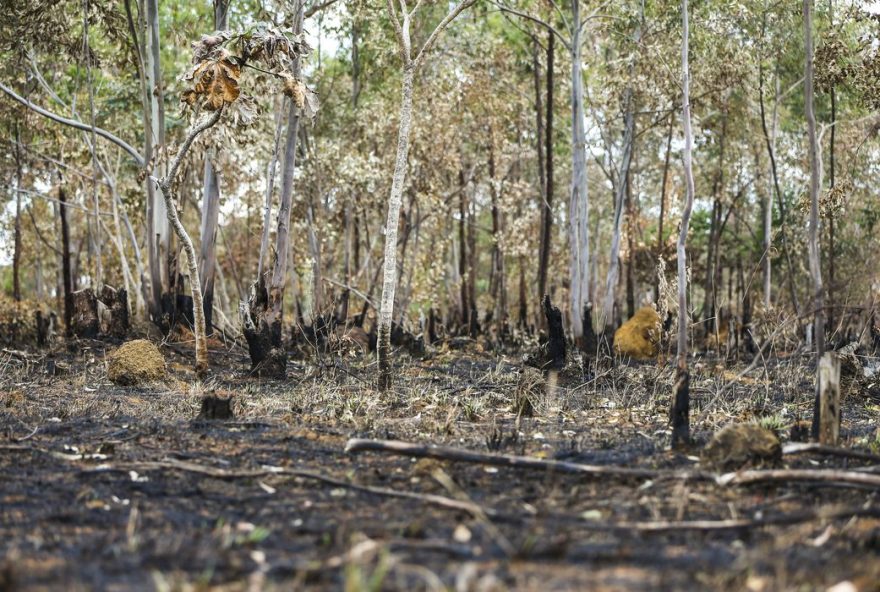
pixel 108 487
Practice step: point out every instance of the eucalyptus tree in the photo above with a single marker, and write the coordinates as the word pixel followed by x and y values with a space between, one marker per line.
pixel 680 412
pixel 411 61
pixel 572 37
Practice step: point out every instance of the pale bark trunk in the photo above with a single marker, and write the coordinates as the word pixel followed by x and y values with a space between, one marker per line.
pixel 681 400
pixel 815 263
pixel 579 215
pixel 270 188
pixel 389 281
pixel 210 204
pixel 208 236
pixel 16 253
pixel 165 186
pixel 623 181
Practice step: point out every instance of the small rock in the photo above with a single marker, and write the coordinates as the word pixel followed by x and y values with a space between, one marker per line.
pixel 136 362
pixel 738 445
pixel 639 337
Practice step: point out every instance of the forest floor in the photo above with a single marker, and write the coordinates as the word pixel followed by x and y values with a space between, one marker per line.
pixel 108 488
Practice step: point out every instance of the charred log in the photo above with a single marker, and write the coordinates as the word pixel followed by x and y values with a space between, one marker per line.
pixel 85 322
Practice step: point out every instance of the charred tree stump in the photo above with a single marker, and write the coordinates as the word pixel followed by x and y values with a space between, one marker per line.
pixel 681 410
pixel 555 355
pixel 551 355
pixel 262 330
pixel 116 302
pixel 216 408
pixel 85 322
pixel 42 325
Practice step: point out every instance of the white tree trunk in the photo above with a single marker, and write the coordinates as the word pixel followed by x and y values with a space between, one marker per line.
pixel 389 280
pixel 815 164
pixel 681 402
pixel 578 207
pixel 622 180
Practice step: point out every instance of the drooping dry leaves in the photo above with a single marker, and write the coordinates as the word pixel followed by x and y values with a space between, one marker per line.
pixel 215 81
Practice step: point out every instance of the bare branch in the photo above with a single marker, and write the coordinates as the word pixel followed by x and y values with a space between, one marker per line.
pixel 534 19
pixel 462 5
pixel 75 124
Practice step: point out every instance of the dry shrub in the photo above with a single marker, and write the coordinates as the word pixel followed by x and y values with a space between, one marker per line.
pixel 136 362
pixel 739 445
pixel 639 337
pixel 773 324
pixel 17 322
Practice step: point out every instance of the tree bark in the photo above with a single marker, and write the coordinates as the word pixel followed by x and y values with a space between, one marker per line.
pixel 680 412
pixel 663 183
pixel 815 264
pixel 389 281
pixel 16 253
pixel 165 186
pixel 623 181
pixel 545 154
pixel 578 209
pixel 65 263
pixel 262 315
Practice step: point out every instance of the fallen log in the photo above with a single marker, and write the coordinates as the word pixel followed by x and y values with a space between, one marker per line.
pixel 512 461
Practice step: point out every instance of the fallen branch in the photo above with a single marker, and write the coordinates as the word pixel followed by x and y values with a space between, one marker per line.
pixel 507 460
pixel 844 478
pixel 815 447
pixel 266 471
pixel 662 526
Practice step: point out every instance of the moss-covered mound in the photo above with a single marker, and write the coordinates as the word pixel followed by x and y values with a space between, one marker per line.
pixel 136 362
pixel 639 337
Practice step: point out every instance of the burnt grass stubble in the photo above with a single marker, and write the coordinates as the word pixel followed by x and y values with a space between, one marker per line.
pixel 75 514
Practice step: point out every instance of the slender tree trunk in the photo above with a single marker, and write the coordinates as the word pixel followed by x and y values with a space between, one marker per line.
pixel 770 140
pixel 546 174
pixel 165 185
pixel 208 246
pixel 211 203
pixel 680 412
pixel 389 281
pixel 463 244
pixel 270 189
pixel 65 263
pixel 663 183
pixel 497 285
pixel 831 244
pixel 578 208
pixel 16 253
pixel 99 264
pixel 262 314
pixel 623 180
pixel 815 263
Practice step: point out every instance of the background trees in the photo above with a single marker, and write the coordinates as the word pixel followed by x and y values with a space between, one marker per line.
pixel 482 229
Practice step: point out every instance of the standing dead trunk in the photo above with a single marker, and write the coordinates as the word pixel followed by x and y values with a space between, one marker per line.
pixel 680 412
pixel 462 252
pixel 497 287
